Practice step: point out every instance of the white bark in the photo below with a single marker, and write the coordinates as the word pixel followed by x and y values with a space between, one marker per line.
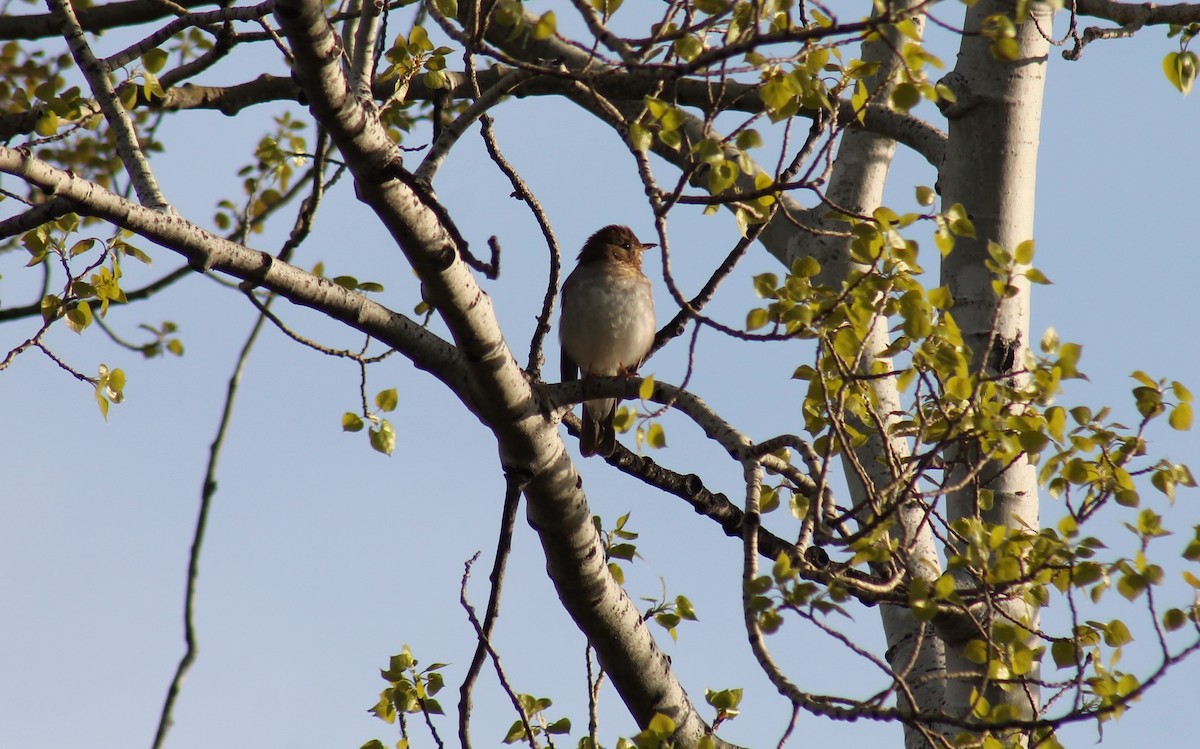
pixel 857 184
pixel 990 168
pixel 531 449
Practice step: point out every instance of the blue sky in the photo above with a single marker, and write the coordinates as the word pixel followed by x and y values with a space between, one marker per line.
pixel 323 558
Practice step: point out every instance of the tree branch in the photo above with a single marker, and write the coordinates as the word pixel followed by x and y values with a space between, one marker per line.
pixel 94 19
pixel 205 251
pixel 497 388
pixel 97 74
pixel 207 490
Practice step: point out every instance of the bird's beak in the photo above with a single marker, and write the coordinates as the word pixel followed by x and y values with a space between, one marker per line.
pixel 647 245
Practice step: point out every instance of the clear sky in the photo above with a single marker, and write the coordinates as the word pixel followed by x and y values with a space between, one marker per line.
pixel 323 558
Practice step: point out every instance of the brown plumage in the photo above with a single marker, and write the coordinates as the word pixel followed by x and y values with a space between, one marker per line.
pixel 607 324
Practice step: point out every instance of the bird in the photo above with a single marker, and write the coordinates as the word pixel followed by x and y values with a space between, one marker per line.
pixel 607 324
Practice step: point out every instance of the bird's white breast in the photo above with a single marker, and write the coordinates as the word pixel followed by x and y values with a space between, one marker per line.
pixel 607 320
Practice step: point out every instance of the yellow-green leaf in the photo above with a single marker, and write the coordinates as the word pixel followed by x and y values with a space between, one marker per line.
pixel 662 725
pixel 383 438
pixel 941 298
pixel 1181 417
pixel 646 389
pixel 1181 68
pixel 904 97
pixel 1036 276
pixel 757 318
pixel 79 317
pixel 688 47
pixel 545 26
pixel 47 123
pixel 639 137
pixel 154 60
pixel 387 399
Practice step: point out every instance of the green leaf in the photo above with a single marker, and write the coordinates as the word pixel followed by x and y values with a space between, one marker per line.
pixel 116 385
pixel 545 26
pixel 1036 276
pixel 1023 253
pixel 976 651
pixel 418 39
pixel 904 97
pixel 1006 49
pixel 617 573
pixel 748 139
pixel 688 47
pixel 607 7
pixel 1117 634
pixel 940 297
pixel 351 422
pixel 646 389
pixel 622 551
pixel 661 725
pixel 383 437
pixel 722 175
pixel 435 79
pixel 944 240
pixel 516 732
pixel 1174 619
pixel 79 316
pixel 656 437
pixel 782 570
pixel 1181 417
pixel 387 400
pixel 1181 392
pixel 725 699
pixel 926 196
pixel 1180 69
pixel 640 137
pixel 806 267
pixel 1144 378
pixel 960 221
pixel 154 60
pixel 51 307
pixel 1064 653
pixel 47 123
pixel 757 318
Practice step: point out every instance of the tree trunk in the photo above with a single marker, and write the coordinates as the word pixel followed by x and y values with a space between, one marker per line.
pixel 990 168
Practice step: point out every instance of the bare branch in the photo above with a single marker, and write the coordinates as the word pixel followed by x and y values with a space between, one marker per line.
pixel 97 74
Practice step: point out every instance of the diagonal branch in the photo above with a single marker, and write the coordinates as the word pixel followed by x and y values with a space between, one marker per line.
pixel 492 382
pixel 97 74
pixel 205 251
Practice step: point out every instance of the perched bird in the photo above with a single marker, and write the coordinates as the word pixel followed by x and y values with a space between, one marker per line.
pixel 607 324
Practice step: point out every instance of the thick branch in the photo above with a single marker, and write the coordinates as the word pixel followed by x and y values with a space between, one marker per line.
pixel 94 19
pixel 528 439
pixel 1139 14
pixel 205 251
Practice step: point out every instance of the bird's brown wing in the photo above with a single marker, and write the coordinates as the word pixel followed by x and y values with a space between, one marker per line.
pixel 567 367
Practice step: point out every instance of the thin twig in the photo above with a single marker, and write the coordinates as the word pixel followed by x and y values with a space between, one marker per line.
pixel 207 490
pixel 508 520
pixel 504 683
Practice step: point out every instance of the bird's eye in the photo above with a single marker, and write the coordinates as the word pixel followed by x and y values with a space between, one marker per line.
pixel 626 245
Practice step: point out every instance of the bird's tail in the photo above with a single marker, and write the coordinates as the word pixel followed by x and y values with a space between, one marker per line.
pixel 598 436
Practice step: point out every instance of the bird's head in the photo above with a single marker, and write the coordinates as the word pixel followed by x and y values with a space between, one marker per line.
pixel 616 243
